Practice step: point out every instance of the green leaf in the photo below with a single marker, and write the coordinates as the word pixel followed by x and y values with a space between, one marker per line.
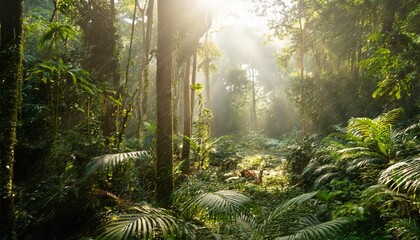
pixel 109 161
pixel 225 205
pixel 147 222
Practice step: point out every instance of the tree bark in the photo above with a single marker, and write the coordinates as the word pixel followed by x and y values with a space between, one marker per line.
pixel 187 118
pixel 164 144
pixel 193 81
pixel 10 97
pixel 144 80
pixel 301 53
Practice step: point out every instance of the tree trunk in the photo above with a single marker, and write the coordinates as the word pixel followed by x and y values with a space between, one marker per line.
pixel 164 145
pixel 10 98
pixel 301 53
pixel 144 80
pixel 100 36
pixel 254 100
pixel 193 80
pixel 187 119
pixel 207 76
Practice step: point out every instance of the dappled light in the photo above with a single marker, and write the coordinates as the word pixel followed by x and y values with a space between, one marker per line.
pixel 209 119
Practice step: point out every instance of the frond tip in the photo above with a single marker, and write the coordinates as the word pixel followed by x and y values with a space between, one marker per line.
pixel 402 175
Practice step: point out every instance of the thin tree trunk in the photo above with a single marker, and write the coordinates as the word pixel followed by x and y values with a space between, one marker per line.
pixel 187 118
pixel 147 44
pixel 302 71
pixel 207 77
pixel 193 81
pixel 254 100
pixel 144 80
pixel 164 144
pixel 10 98
pixel 207 71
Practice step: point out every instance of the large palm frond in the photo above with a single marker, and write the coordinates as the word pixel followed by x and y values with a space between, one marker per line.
pixel 313 229
pixel 280 212
pixel 147 222
pixel 402 175
pixel 109 161
pixel 225 205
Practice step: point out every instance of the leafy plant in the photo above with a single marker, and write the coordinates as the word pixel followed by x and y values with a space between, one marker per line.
pixel 225 205
pixel 312 228
pixel 147 222
pixel 402 176
pixel 109 161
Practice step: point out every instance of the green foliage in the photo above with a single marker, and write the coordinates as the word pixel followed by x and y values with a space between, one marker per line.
pixel 402 176
pixel 298 154
pixel 59 74
pixel 312 228
pixel 58 32
pixel 146 222
pixel 109 161
pixel 224 205
pixel 282 213
pixel 405 229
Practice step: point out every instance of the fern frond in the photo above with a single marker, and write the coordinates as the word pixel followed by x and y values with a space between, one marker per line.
pixel 109 161
pixel 223 205
pixel 145 223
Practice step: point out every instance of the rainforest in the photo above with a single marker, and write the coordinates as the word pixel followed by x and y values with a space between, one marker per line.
pixel 210 119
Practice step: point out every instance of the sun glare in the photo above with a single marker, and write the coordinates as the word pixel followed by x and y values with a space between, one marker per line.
pixel 234 13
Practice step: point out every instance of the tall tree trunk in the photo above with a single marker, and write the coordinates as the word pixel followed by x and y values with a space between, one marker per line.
pixel 193 81
pixel 10 98
pixel 144 80
pixel 187 118
pixel 301 53
pixel 207 76
pixel 254 100
pixel 164 144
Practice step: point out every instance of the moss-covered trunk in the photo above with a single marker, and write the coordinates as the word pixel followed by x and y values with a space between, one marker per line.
pixel 164 183
pixel 10 97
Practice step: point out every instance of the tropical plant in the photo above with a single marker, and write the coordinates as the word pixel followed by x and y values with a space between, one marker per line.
pixel 223 205
pixel 147 222
pixel 287 223
pixel 402 176
pixel 109 161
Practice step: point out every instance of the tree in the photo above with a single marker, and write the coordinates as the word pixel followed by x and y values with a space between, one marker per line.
pixel 164 144
pixel 187 118
pixel 96 18
pixel 144 80
pixel 11 86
